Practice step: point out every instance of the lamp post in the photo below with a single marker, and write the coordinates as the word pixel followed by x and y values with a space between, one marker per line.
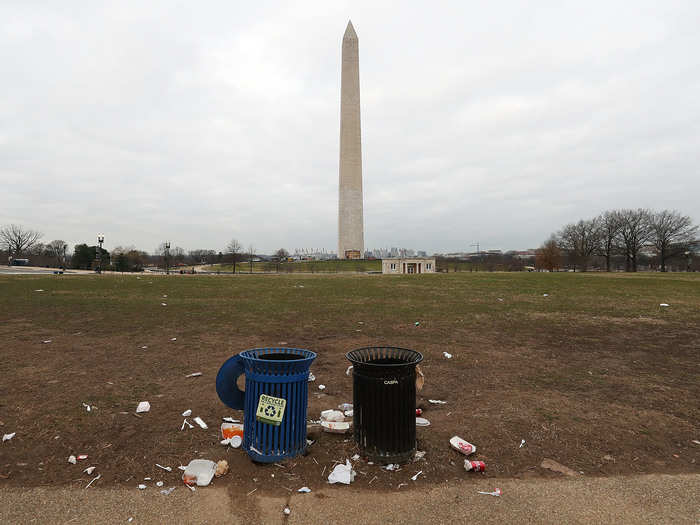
pixel 100 240
pixel 689 256
pixel 167 255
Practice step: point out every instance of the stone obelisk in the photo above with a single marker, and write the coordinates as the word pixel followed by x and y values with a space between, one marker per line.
pixel 350 221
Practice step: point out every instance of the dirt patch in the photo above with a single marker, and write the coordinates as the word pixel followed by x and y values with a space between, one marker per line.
pixel 591 393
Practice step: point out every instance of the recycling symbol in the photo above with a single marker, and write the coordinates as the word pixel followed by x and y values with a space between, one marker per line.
pixel 270 411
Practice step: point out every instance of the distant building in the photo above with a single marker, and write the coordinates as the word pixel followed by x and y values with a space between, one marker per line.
pixel 409 265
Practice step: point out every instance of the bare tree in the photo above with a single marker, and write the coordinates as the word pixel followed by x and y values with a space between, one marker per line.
pixel 281 254
pixel 581 240
pixel 635 232
pixel 16 239
pixel 548 256
pixel 609 224
pixel 234 248
pixel 251 256
pixel 671 233
pixel 57 249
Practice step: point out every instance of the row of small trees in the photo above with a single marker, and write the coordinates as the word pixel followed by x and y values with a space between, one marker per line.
pixel 19 242
pixel 624 232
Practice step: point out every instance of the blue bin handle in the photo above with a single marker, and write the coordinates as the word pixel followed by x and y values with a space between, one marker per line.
pixel 232 396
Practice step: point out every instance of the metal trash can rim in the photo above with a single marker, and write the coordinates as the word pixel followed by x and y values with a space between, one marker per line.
pixel 355 356
pixel 257 354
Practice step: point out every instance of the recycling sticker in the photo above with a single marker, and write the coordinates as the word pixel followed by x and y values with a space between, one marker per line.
pixel 270 410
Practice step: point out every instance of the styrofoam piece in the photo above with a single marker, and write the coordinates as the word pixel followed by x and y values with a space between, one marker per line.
pixel 462 446
pixel 422 422
pixel 187 413
pixel 335 427
pixel 144 406
pixel 199 471
pixel 200 422
pixel 8 437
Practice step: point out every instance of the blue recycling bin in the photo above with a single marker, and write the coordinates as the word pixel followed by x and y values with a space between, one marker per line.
pixel 271 374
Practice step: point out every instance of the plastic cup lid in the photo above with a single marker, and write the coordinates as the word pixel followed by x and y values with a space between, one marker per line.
pixel 236 441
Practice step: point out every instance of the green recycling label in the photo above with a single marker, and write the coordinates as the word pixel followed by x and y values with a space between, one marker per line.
pixel 270 410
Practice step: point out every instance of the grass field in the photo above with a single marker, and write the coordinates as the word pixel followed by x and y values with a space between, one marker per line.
pixel 336 266
pixel 595 374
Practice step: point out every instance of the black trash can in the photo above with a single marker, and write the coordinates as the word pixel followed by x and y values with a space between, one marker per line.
pixel 384 402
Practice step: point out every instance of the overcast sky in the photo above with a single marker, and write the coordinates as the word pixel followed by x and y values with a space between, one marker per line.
pixel 204 121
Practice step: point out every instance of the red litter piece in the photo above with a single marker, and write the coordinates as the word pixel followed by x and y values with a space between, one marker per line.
pixel 419 412
pixel 82 456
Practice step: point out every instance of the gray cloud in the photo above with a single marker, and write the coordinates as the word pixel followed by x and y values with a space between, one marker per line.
pixel 198 123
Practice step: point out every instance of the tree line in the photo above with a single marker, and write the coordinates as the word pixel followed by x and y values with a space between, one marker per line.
pixel 627 235
pixel 18 242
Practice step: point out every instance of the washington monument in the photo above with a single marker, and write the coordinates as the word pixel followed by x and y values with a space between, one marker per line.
pixel 351 242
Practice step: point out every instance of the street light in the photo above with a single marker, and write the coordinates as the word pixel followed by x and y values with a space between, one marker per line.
pixel 100 240
pixel 689 255
pixel 167 255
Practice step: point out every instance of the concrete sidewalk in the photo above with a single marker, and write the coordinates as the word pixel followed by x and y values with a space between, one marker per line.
pixel 631 499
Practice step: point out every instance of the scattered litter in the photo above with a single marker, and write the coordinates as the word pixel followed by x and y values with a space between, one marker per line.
pixel 144 347
pixel 356 457
pixel 168 491
pixel 419 412
pixel 401 485
pixel 496 492
pixel 185 422
pixel 194 374
pixel 221 468
pixel 335 427
pixel 608 457
pixel 89 470
pixel 8 437
pixel 132 519
pixel 39 290
pixel 173 338
pixel 522 443
pixel 159 483
pixel 347 371
pixel 163 304
pixel 420 454
pixel 321 387
pixel 200 422
pixel 182 467
pixel 169 469
pixel 199 471
pixel 474 466
pixel 46 341
pixel 165 297
pixel 422 422
pixel 230 420
pixel 255 450
pixel 417 323
pixel 304 490
pixel 349 413
pixel 500 299
pixel 545 295
pixel 694 441
pixel 141 486
pixel 192 488
pixel 93 480
pixel 345 406
pixel 187 413
pixel 236 441
pixel 332 415
pixel 87 407
pixel 72 460
pixel 252 491
pixel 664 305
pixel 287 511
pixel 342 474
pixel 392 467
pixel 437 402
pixel 311 377
pixel 372 480
pixel 82 457
pixel 447 355
pixel 460 445
pixel 230 431
pixel 147 479
pixel 415 477
pixel 550 464
pixel 144 406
